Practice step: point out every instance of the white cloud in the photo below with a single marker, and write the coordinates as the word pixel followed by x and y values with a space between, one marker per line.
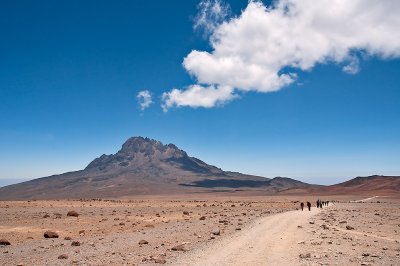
pixel 211 13
pixel 197 96
pixel 262 48
pixel 144 99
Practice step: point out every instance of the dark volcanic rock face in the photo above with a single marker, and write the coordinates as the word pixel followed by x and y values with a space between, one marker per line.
pixel 138 152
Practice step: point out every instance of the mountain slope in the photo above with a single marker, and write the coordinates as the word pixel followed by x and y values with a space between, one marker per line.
pixel 142 166
pixel 375 184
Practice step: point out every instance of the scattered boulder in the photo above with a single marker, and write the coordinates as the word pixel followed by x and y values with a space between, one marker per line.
pixel 185 213
pixel 180 247
pixel 73 213
pixel 67 238
pixel 325 227
pixel 63 257
pixel 202 218
pixel 348 227
pixel 50 234
pixel 305 256
pixel 4 242
pixel 216 232
pixel 75 243
pixel 46 216
pixel 143 242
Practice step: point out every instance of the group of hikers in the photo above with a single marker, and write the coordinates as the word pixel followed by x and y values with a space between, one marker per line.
pixel 320 203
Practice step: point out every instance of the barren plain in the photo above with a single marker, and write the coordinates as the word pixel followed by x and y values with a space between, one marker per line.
pixel 208 230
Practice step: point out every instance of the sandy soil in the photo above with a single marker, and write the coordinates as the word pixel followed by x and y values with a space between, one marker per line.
pixel 355 233
pixel 270 240
pixel 109 231
pixel 252 231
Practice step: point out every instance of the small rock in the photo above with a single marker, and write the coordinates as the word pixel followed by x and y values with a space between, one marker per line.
pixel 63 257
pixel 67 238
pixel 160 260
pixel 75 243
pixel 305 256
pixel 216 232
pixel 180 247
pixel 4 242
pixel 202 218
pixel 50 234
pixel 348 227
pixel 143 242
pixel 185 213
pixel 73 213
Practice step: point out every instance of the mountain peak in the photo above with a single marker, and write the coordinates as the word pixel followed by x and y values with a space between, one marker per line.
pixel 138 151
pixel 149 146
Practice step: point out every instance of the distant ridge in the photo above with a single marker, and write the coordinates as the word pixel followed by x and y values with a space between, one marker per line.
pixel 144 166
pixel 375 184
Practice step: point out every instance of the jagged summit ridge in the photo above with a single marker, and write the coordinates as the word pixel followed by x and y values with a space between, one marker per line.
pixel 150 147
pixel 139 152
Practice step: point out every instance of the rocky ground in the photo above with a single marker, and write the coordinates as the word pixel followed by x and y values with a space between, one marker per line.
pixel 151 231
pixel 114 232
pixel 354 233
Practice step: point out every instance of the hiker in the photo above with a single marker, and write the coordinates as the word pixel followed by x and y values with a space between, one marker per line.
pixel 302 205
pixel 309 205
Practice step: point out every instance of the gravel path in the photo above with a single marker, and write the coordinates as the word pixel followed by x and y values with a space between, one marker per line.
pixel 271 240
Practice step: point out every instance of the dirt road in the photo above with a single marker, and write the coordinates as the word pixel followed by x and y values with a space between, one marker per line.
pixel 271 240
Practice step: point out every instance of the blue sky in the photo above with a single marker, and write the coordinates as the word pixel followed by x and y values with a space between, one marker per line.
pixel 70 72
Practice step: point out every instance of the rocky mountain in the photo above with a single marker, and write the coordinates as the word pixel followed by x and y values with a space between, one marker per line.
pixel 144 167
